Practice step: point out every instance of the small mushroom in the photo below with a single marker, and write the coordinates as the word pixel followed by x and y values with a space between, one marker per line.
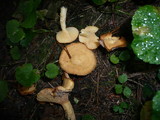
pixel 27 90
pixel 69 34
pixel 59 95
pixel 81 61
pixel 110 43
pixel 88 37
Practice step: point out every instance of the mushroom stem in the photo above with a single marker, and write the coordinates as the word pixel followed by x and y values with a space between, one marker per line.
pixel 68 83
pixel 69 112
pixel 63 18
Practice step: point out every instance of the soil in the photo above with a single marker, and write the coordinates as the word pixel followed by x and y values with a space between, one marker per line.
pixel 95 92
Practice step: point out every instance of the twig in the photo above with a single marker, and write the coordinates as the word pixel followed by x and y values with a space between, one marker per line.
pixel 97 19
pixel 135 82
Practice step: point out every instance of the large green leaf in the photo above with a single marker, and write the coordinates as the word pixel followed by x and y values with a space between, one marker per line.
pixel 146 31
pixel 156 102
pixel 14 32
pixel 3 90
pixel 26 75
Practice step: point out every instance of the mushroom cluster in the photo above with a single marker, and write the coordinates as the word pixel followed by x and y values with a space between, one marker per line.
pixel 77 59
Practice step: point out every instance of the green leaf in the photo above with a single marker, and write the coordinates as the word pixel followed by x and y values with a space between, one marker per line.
pixel 25 7
pixel 30 20
pixel 146 32
pixel 88 117
pixel 99 2
pixel 155 115
pixel 117 108
pixel 3 90
pixel 127 92
pixel 122 78
pixel 15 53
pixel 114 59
pixel 124 105
pixel 112 0
pixel 124 55
pixel 52 70
pixel 14 33
pixel 26 75
pixel 118 88
pixel 156 102
pixel 29 37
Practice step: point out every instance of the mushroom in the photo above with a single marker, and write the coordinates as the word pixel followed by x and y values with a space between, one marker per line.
pixel 81 60
pixel 88 37
pixel 59 95
pixel 27 90
pixel 109 42
pixel 69 34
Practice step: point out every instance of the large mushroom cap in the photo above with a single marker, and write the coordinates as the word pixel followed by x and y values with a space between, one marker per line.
pixel 82 61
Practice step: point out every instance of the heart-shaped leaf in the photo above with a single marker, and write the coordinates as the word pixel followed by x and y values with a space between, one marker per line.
pixel 52 70
pixel 26 75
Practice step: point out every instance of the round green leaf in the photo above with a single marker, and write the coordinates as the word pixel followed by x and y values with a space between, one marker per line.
pixel 122 78
pixel 124 56
pixel 99 2
pixel 15 53
pixel 26 75
pixel 52 70
pixel 30 20
pixel 114 59
pixel 146 32
pixel 127 92
pixel 156 102
pixel 3 90
pixel 14 33
pixel 118 88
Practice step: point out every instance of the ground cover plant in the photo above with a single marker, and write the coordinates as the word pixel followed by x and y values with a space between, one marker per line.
pixel 87 60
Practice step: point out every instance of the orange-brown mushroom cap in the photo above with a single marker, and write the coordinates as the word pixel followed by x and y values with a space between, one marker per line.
pixel 82 61
pixel 111 42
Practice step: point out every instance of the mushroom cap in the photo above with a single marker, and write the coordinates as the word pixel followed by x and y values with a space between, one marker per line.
pixel 27 90
pixel 57 95
pixel 68 35
pixel 111 43
pixel 88 37
pixel 82 61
